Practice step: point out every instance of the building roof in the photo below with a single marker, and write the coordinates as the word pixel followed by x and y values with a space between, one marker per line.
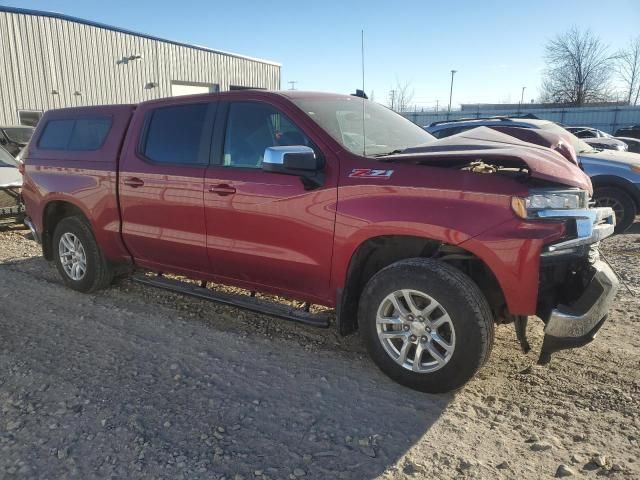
pixel 68 18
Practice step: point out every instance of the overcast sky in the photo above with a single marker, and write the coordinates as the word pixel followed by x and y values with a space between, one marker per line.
pixel 496 46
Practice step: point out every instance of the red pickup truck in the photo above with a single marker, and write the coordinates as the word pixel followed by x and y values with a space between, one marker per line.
pixel 421 244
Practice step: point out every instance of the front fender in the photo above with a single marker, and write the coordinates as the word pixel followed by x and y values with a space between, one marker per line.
pixel 483 224
pixel 448 216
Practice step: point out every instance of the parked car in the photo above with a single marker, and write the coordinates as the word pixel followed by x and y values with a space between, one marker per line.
pixel 11 206
pixel 615 175
pixel 423 245
pixel 632 143
pixel 633 132
pixel 14 139
pixel 598 139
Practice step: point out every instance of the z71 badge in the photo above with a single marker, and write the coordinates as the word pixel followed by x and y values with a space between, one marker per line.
pixel 370 173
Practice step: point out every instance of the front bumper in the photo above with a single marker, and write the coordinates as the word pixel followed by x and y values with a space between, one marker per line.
pixel 579 287
pixel 576 324
pixel 591 225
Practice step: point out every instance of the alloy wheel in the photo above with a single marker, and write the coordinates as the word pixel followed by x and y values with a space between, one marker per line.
pixel 415 331
pixel 72 256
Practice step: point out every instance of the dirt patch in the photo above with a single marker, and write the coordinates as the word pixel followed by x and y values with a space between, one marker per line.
pixel 134 382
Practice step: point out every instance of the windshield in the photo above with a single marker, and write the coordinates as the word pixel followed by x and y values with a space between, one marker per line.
pixel 19 134
pixel 6 160
pixel 579 146
pixel 382 132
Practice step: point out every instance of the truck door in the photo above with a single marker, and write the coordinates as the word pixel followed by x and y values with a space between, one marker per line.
pixel 264 230
pixel 161 185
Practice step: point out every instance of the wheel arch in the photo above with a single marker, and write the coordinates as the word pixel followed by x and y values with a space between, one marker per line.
pixel 53 212
pixel 601 181
pixel 376 253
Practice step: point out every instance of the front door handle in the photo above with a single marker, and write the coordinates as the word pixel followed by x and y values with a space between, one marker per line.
pixel 222 189
pixel 133 182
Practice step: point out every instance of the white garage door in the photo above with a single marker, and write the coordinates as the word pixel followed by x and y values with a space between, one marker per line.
pixel 184 88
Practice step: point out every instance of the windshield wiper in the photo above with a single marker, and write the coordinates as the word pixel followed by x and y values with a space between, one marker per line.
pixel 392 152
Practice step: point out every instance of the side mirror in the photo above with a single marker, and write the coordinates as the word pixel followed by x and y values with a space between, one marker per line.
pixel 298 160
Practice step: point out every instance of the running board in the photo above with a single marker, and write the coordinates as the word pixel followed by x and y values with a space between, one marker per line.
pixel 241 301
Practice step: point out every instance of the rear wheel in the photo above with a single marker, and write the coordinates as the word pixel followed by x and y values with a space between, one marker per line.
pixel 426 324
pixel 621 203
pixel 77 256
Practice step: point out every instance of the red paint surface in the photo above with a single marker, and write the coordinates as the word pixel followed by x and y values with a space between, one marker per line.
pixel 264 231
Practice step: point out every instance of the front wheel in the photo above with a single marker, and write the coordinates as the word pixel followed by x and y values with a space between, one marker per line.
pixel 622 204
pixel 426 324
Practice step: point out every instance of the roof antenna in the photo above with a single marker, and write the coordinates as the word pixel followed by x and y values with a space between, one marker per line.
pixel 364 96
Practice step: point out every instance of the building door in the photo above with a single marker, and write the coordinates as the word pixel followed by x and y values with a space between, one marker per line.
pixel 192 88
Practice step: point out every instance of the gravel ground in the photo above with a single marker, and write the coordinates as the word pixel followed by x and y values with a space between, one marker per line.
pixel 134 382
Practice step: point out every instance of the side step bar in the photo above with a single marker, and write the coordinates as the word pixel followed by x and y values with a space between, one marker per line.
pixel 241 301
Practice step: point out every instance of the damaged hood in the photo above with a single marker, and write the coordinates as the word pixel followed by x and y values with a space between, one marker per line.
pixel 499 149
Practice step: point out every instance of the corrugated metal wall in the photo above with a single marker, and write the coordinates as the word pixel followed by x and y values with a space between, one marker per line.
pixel 48 62
pixel 607 119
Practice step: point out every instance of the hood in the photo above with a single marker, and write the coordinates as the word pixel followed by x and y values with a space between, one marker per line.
pixel 603 141
pixel 628 158
pixel 499 149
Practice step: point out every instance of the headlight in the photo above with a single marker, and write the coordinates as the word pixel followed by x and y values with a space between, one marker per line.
pixel 528 207
pixel 635 168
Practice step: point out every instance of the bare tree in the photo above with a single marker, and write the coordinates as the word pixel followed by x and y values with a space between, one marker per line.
pixel 628 68
pixel 401 96
pixel 578 69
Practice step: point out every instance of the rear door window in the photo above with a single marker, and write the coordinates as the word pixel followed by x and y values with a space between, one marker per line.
pixel 81 134
pixel 176 134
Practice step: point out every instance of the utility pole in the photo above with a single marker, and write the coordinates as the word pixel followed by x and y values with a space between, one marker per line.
pixel 362 56
pixel 453 72
pixel 293 84
pixel 521 99
pixel 437 105
pixel 392 97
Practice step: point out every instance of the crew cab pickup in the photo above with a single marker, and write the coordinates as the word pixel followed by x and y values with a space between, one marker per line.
pixel 422 245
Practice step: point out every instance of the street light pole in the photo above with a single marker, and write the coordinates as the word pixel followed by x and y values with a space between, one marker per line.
pixel 522 96
pixel 453 72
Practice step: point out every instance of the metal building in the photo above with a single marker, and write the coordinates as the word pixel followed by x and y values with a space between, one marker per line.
pixel 49 60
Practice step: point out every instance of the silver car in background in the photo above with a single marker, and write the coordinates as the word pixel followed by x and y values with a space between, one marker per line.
pixel 11 207
pixel 598 138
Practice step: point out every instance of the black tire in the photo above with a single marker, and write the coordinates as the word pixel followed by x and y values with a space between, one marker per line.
pixel 462 300
pixel 98 273
pixel 622 204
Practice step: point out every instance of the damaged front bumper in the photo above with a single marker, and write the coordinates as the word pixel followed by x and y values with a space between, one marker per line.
pixel 577 288
pixel 575 325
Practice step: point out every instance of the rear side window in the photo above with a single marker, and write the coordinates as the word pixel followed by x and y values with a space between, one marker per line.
pixel 175 134
pixel 80 134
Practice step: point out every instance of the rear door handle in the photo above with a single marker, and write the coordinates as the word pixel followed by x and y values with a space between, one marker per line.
pixel 222 189
pixel 133 182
